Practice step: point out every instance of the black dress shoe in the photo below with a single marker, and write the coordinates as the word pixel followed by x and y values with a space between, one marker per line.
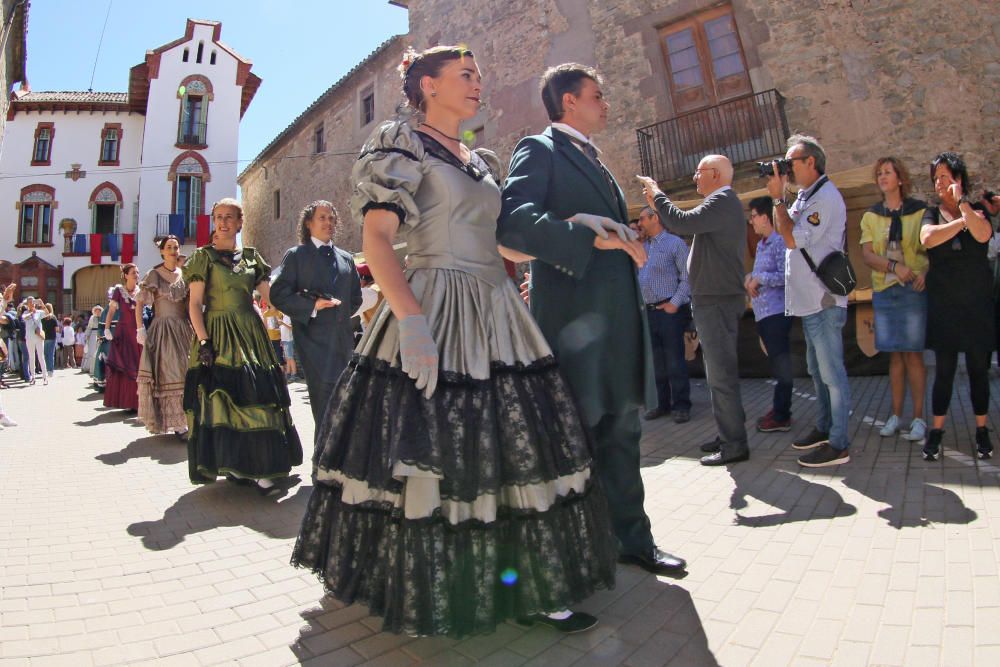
pixel 656 561
pixel 575 622
pixel 655 413
pixel 712 446
pixel 682 416
pixel 726 455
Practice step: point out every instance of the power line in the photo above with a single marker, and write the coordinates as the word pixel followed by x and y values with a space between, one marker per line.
pixel 159 167
pixel 100 42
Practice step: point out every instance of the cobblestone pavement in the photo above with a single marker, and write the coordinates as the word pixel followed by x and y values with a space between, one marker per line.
pixel 108 555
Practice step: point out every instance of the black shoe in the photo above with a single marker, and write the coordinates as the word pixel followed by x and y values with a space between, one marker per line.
pixel 576 622
pixel 983 445
pixel 655 413
pixel 656 561
pixel 933 445
pixel 816 438
pixel 238 481
pixel 730 454
pixel 682 416
pixel 824 456
pixel 713 446
pixel 268 490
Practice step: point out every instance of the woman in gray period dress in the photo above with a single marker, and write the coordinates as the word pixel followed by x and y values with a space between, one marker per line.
pixel 453 478
pixel 165 347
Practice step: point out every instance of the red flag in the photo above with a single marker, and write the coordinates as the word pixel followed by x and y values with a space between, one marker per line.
pixel 203 231
pixel 95 248
pixel 128 248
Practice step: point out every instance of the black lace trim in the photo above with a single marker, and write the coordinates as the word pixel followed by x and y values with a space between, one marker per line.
pixel 385 206
pixel 437 149
pixel 426 577
pixel 521 426
pixel 389 149
pixel 214 451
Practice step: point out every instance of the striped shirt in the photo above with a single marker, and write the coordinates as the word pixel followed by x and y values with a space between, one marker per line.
pixel 664 275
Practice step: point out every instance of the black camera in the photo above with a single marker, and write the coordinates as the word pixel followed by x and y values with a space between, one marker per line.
pixel 766 169
pixel 988 195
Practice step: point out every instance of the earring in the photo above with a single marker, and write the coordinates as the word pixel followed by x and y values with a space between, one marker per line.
pixel 434 93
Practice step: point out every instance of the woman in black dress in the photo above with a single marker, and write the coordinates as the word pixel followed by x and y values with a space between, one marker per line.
pixel 959 298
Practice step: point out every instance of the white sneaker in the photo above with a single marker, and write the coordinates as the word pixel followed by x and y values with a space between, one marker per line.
pixel 890 428
pixel 7 421
pixel 918 430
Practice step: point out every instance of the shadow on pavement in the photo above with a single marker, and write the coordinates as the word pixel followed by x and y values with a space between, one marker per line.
pixel 797 498
pixel 664 628
pixel 107 416
pixel 224 504
pixel 913 501
pixel 164 449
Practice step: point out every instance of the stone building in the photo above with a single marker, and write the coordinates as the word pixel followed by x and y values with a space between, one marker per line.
pixel 312 157
pixel 13 43
pixel 685 78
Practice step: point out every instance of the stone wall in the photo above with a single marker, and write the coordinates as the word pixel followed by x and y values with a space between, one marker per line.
pixel 292 167
pixel 868 78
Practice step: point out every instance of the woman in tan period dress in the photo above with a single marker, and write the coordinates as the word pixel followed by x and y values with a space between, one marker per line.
pixel 165 346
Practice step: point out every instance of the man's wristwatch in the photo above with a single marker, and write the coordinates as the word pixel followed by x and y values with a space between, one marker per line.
pixel 203 342
pixel 779 201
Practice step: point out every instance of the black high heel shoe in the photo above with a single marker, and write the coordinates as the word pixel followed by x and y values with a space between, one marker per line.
pixel 932 448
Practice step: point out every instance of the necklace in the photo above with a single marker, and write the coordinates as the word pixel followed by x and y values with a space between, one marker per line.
pixel 446 136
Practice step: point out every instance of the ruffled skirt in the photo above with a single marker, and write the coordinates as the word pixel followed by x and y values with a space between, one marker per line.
pixel 450 515
pixel 162 368
pixel 237 408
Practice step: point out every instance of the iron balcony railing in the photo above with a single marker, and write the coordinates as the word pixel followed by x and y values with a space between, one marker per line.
pixel 192 134
pixel 743 129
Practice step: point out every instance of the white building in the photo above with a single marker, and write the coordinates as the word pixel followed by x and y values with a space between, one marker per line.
pixel 123 165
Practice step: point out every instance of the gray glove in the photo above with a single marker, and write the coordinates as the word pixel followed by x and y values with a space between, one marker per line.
pixel 418 353
pixel 601 226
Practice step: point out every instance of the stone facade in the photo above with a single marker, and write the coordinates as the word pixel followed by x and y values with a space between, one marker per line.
pixel 868 79
pixel 291 166
pixel 12 54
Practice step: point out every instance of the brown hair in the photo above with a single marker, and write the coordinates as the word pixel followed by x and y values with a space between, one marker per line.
pixel 562 79
pixel 427 63
pixel 162 243
pixel 307 214
pixel 902 173
pixel 128 267
pixel 228 201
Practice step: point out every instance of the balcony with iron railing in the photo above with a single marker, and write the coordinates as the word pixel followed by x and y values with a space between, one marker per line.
pixel 192 134
pixel 743 129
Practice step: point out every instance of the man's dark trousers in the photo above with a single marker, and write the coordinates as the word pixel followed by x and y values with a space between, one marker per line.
pixel 717 320
pixel 616 459
pixel 666 330
pixel 775 332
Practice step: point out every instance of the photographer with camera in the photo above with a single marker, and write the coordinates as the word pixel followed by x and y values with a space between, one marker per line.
pixel 814 226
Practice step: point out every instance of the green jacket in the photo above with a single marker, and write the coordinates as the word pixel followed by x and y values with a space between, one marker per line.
pixel 586 301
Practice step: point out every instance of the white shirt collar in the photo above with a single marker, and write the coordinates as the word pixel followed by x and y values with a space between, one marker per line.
pixel 320 244
pixel 575 133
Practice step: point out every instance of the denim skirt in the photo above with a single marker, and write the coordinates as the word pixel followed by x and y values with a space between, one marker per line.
pixel 900 319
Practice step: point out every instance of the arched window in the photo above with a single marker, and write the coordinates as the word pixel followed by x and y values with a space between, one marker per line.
pixel 185 55
pixel 34 226
pixel 105 209
pixel 211 59
pixel 189 172
pixel 194 92
pixel 201 50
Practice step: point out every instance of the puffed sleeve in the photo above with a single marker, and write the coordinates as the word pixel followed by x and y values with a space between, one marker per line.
pixel 492 161
pixel 196 267
pixel 388 173
pixel 149 287
pixel 261 269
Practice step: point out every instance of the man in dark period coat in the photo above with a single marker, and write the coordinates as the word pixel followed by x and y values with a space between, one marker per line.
pixel 318 287
pixel 562 207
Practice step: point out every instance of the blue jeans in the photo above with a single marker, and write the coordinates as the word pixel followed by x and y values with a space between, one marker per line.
pixel 50 355
pixel 825 361
pixel 774 331
pixel 666 332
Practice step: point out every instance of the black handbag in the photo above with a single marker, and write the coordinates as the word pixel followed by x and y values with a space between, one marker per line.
pixel 835 272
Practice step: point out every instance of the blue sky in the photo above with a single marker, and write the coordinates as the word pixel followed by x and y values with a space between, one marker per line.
pixel 298 47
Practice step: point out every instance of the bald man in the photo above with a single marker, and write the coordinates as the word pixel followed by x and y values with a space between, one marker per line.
pixel 715 272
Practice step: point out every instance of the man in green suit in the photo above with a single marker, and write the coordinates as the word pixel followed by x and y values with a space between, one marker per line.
pixel 562 207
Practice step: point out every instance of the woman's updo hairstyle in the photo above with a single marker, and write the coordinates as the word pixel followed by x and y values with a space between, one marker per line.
pixel 416 66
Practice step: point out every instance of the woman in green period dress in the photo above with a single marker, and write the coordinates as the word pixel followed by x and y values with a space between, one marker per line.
pixel 235 396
